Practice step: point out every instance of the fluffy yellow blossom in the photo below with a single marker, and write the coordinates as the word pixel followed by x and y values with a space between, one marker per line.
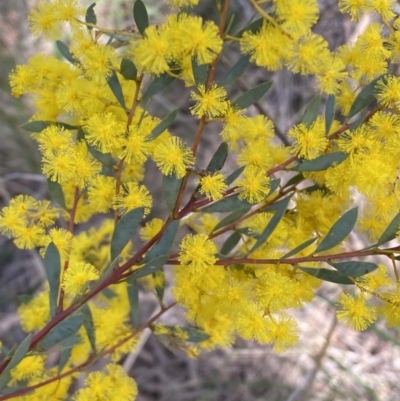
pixel 355 312
pixel 267 48
pixel 282 331
pixel 211 102
pixel 101 193
pixel 251 323
pixel 77 276
pixel 152 52
pixel 353 7
pixel 173 157
pixel 202 40
pixel 46 20
pixel 112 385
pixel 255 183
pixel 197 252
pixel 310 55
pixel 104 131
pixel 62 239
pixel 151 229
pixel 35 313
pixel 297 16
pixel 133 196
pixel 183 3
pixel 213 186
pixel 311 141
pixel 388 91
pixel 31 366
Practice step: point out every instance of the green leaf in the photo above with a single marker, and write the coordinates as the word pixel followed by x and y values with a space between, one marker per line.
pixel 133 296
pixel 219 158
pixel 110 39
pixel 195 335
pixel 360 119
pixel 235 72
pixel 63 330
pixel 56 192
pixel 273 186
pixel 340 230
pixel 280 209
pixel 17 357
pixel 163 125
pixel 39 126
pixel 390 232
pixel 299 248
pixel 235 175
pixel 157 85
pixel 89 325
pixel 5 377
pixel 253 27
pixel 164 245
pixel 332 276
pixel 64 50
pixel 199 72
pixel 366 96
pixel 160 288
pixel 252 96
pixel 140 16
pixel 171 186
pixel 312 111
pixel 52 264
pixel 329 113
pixel 104 158
pixel 226 205
pixel 91 16
pixel 354 268
pixel 115 86
pixel 128 69
pixel 294 180
pixel 231 218
pixel 107 291
pixel 124 230
pixel 322 162
pixel 20 353
pixel 230 243
pixel 151 267
pixel 67 346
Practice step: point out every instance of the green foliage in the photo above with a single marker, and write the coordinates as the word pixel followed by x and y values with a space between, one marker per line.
pixel 56 192
pixel 52 265
pixel 327 275
pixel 128 69
pixel 322 162
pixel 62 331
pixel 140 16
pixel 312 111
pixel 116 88
pixel 235 72
pixel 340 230
pixel 91 16
pixel 234 249
pixel 163 125
pixel 252 96
pixel 124 230
pixel 171 185
pixel 365 97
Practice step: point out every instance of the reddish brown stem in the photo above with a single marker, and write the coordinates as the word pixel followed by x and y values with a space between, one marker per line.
pixel 210 80
pixel 90 360
pixel 71 229
pixel 291 261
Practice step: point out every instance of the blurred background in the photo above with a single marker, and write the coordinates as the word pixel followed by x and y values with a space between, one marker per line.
pixel 330 361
